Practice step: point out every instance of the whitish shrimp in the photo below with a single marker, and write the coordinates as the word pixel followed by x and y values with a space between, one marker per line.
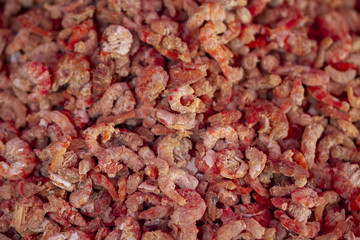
pixel 20 160
pixel 213 134
pixel 230 164
pixel 181 178
pixel 12 109
pixel 206 12
pixel 60 119
pixel 33 78
pixel 308 143
pixel 211 43
pixel 117 99
pixel 259 109
pixel 182 100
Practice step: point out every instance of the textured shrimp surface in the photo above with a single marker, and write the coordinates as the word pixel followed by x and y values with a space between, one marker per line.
pixel 179 119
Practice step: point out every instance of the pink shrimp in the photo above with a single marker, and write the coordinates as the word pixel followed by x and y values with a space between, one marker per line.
pixel 117 99
pixel 257 161
pixel 230 164
pixel 310 229
pixel 20 159
pixel 180 122
pixel 211 43
pixel 129 227
pixel 30 74
pixel 79 197
pixel 185 216
pixel 60 119
pixel 213 134
pixel 12 109
pixel 92 134
pixel 177 96
pixel 230 230
pixel 206 12
pixel 168 179
pixel 261 109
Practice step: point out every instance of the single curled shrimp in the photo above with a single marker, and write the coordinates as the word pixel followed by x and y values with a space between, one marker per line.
pixel 213 134
pixel 117 99
pixel 182 100
pixel 92 134
pixel 60 119
pixel 230 164
pixel 177 176
pixel 20 160
pixel 30 74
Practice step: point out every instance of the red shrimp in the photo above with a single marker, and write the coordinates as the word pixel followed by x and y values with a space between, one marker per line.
pixel 71 234
pixel 308 143
pixel 310 229
pixel 167 181
pixel 259 109
pixel 327 143
pixel 257 161
pixel 230 164
pixel 92 134
pixel 103 181
pixel 97 204
pixel 30 74
pixel 20 160
pixel 291 169
pixel 129 227
pixel 31 19
pixel 117 99
pixel 320 93
pixel 213 134
pixel 78 33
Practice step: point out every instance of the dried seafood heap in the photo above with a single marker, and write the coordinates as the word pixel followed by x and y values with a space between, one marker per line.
pixel 179 119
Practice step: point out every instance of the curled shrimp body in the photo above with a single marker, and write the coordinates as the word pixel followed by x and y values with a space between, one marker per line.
pixel 178 94
pixel 213 134
pixel 230 164
pixel 211 43
pixel 20 159
pixel 60 119
pixel 92 133
pixel 177 176
pixel 29 75
pixel 117 99
pixel 262 109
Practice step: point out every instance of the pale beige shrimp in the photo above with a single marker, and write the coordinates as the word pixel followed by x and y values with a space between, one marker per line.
pixel 353 100
pixel 60 119
pixel 308 143
pixel 92 133
pixel 206 12
pixel 117 99
pixel 32 73
pixel 180 94
pixel 20 159
pixel 11 109
pixel 257 161
pixel 213 134
pixel 180 177
pixel 341 77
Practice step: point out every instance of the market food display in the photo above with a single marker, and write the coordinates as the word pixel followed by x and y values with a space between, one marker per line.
pixel 179 119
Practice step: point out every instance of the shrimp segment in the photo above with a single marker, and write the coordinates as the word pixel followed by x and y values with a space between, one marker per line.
pixel 20 159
